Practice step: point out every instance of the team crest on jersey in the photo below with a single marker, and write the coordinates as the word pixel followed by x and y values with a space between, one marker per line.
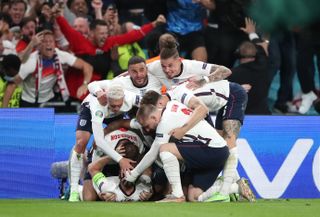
pixel 99 114
pixel 159 135
pixel 204 66
pixel 83 122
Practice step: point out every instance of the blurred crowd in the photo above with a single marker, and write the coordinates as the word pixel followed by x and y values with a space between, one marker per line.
pixel 51 49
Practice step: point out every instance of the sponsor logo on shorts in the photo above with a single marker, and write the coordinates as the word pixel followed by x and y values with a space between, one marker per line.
pixel 99 114
pixel 83 122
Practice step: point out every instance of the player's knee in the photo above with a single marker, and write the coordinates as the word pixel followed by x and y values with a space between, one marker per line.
pixel 81 143
pixel 165 147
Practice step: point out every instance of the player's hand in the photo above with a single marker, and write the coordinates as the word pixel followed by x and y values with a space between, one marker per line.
pixel 145 195
pixel 108 196
pixel 121 150
pixel 102 97
pixel 125 166
pixel 177 133
pixel 159 21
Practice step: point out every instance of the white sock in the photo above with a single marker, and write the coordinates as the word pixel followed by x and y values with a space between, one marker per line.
pixel 230 171
pixel 75 167
pixel 172 170
pixel 210 191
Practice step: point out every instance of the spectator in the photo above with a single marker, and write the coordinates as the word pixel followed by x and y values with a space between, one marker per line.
pixel 308 46
pixel 185 19
pixel 95 48
pixel 281 58
pixel 253 70
pixel 44 69
pixel 223 34
pixel 17 9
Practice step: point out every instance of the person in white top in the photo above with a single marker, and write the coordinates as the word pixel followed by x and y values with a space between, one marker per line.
pixel 172 70
pixel 91 118
pixel 229 100
pixel 201 149
pixel 117 140
pixel 44 69
pixel 136 80
pixel 113 188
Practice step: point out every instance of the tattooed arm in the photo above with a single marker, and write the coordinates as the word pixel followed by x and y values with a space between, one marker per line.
pixel 218 73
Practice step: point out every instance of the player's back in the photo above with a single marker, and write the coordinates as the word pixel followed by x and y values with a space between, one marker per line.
pixel 177 114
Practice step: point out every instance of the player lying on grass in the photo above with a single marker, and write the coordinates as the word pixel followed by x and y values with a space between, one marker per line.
pixel 114 188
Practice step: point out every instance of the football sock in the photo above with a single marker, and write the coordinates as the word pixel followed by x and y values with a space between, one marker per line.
pixel 75 167
pixel 172 170
pixel 229 171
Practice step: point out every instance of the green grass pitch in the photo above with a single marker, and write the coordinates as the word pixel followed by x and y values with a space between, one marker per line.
pixel 59 208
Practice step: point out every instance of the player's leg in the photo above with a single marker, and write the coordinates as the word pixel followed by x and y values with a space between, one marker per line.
pixel 229 120
pixel 76 163
pixel 83 134
pixel 169 155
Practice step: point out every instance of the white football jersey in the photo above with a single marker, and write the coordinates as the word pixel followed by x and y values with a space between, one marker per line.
pixel 126 82
pixel 112 184
pixel 190 68
pixel 99 112
pixel 115 137
pixel 176 115
pixel 214 95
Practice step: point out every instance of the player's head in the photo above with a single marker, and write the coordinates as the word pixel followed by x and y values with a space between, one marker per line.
pixel 154 98
pixel 115 95
pixel 137 70
pixel 149 116
pixel 169 58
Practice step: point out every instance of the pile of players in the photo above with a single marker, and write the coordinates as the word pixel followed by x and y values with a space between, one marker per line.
pixel 159 142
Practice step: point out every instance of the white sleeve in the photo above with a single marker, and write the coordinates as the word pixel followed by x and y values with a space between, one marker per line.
pixel 101 142
pixel 96 86
pixel 97 112
pixel 152 154
pixel 28 67
pixel 180 93
pixel 66 58
pixel 134 124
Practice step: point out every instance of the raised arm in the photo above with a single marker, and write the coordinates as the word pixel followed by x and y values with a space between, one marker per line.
pixel 87 70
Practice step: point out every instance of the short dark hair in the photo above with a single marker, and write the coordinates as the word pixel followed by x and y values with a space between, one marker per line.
pixel 13 2
pixel 97 22
pixel 131 150
pixel 26 20
pixel 150 97
pixel 247 50
pixel 5 18
pixel 135 60
pixel 145 111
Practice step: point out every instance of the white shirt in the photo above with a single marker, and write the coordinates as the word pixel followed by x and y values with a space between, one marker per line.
pixel 112 185
pixel 214 95
pixel 47 82
pixel 127 84
pixel 175 115
pixel 115 137
pixel 190 68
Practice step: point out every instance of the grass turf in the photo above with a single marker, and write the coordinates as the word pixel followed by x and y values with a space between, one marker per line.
pixel 58 208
